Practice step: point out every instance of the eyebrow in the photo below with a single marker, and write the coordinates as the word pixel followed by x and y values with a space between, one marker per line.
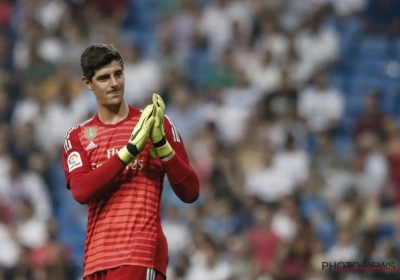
pixel 104 76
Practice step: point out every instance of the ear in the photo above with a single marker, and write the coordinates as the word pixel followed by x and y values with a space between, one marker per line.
pixel 87 83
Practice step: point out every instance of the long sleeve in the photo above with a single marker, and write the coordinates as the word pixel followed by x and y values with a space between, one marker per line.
pixel 183 179
pixel 86 184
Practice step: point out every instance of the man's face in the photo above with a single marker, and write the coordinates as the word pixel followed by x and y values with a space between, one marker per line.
pixel 108 84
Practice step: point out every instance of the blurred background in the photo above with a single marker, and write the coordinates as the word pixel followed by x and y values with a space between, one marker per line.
pixel 289 110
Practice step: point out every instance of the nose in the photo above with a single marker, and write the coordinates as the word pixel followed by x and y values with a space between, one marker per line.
pixel 113 81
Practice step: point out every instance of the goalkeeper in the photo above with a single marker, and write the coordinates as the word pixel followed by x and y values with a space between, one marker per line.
pixel 115 163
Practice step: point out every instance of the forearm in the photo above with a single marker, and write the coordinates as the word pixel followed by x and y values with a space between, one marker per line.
pixel 87 186
pixel 182 178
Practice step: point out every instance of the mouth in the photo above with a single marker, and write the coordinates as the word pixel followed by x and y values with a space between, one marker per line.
pixel 116 92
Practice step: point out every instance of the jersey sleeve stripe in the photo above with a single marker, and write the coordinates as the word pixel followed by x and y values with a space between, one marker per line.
pixel 174 131
pixel 67 142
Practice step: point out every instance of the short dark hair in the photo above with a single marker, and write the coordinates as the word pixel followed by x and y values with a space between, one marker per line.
pixel 97 56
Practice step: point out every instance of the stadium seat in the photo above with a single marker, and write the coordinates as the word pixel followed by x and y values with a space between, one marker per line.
pixel 360 84
pixel 343 144
pixel 348 30
pixel 370 67
pixel 391 96
pixel 373 47
pixel 353 106
pixel 197 64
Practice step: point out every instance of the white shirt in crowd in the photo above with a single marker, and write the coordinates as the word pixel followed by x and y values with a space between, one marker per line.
pixel 10 250
pixel 294 165
pixel 141 79
pixel 320 107
pixel 199 270
pixel 319 48
pixel 177 235
pixel 32 233
pixel 283 226
pixel 268 184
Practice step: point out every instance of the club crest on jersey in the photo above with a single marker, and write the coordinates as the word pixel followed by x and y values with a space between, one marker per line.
pixel 74 161
pixel 90 132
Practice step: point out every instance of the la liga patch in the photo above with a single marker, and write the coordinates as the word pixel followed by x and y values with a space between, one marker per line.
pixel 74 161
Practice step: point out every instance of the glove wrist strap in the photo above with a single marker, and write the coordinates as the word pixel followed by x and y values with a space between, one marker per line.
pixel 160 143
pixel 125 156
pixel 164 150
pixel 132 149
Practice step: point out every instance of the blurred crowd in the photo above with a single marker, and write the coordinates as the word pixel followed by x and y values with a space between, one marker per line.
pixel 289 110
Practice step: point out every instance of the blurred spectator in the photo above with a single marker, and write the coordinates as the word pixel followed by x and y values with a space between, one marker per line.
pixel 348 8
pixel 372 118
pixel 264 241
pixel 184 108
pixel 243 95
pixel 221 113
pixel 216 25
pixel 37 69
pixel 265 75
pixel 274 40
pixel 25 184
pixel 285 220
pixel 324 158
pixel 317 45
pixel 299 69
pixel 175 231
pixel 5 108
pixel 283 101
pixel 345 248
pixel 142 76
pixel 31 230
pixel 267 183
pixel 352 215
pixel 222 72
pixel 321 106
pixel 206 262
pixel 184 26
pixel 10 252
pixel 383 17
pixel 266 97
pixel 292 162
pixel 241 261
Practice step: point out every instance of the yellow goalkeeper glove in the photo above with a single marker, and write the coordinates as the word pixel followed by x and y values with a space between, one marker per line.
pixel 139 137
pixel 157 134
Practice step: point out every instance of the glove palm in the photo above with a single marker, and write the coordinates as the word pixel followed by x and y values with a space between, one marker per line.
pixel 139 136
pixel 157 134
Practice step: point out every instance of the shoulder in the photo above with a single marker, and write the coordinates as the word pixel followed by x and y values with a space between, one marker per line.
pixel 168 124
pixel 134 113
pixel 72 134
pixel 75 129
pixel 168 120
pixel 170 128
pixel 134 110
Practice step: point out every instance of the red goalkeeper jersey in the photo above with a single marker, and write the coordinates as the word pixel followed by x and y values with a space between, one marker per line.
pixel 124 226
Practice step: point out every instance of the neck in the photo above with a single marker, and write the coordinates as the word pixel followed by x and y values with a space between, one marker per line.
pixel 113 114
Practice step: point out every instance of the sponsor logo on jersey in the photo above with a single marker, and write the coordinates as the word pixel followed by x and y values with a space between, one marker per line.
pixel 137 164
pixel 90 146
pixel 74 161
